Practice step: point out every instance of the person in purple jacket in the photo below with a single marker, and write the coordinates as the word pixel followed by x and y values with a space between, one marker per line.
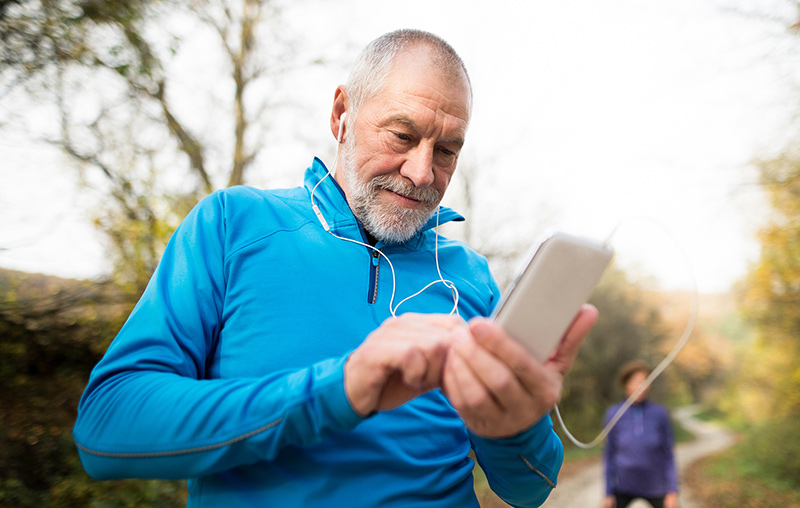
pixel 639 458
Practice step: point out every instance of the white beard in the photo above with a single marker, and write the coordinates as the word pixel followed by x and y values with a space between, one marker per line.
pixel 387 222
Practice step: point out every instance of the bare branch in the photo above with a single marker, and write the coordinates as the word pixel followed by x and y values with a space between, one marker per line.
pixel 187 142
pixel 251 15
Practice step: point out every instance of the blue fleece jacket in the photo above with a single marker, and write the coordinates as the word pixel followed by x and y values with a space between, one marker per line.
pixel 229 371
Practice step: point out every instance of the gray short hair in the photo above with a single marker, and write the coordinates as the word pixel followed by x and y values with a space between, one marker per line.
pixel 371 69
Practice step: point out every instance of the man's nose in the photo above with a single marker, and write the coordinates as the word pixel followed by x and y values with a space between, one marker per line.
pixel 418 166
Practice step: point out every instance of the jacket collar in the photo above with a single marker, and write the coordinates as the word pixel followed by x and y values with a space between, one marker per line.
pixel 332 202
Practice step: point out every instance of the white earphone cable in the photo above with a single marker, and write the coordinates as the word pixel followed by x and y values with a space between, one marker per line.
pixel 684 338
pixel 392 308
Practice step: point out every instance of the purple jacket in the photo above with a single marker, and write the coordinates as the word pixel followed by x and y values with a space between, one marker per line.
pixel 639 459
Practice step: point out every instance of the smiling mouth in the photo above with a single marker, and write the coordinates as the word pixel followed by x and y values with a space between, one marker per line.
pixel 404 197
pixel 405 193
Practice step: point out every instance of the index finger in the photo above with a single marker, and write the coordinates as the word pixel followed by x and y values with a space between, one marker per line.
pixel 492 337
pixel 446 321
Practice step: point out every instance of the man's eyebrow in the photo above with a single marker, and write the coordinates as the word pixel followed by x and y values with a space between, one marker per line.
pixel 408 122
pixel 457 141
pixel 401 118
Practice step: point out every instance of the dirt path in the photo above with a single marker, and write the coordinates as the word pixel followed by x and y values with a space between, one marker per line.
pixel 585 488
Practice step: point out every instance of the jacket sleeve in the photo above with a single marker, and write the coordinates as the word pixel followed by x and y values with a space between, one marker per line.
pixel 148 410
pixel 522 470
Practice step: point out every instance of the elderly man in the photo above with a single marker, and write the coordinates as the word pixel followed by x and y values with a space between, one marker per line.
pixel 284 354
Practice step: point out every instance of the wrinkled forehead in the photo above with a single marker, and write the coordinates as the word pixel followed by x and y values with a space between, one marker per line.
pixel 421 70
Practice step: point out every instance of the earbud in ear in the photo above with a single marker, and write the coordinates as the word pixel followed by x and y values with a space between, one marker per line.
pixel 341 127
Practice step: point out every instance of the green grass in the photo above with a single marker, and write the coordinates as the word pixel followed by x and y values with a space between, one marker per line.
pixel 736 478
pixel 680 434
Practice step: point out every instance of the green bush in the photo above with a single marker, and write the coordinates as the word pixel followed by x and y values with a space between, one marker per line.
pixel 52 332
pixel 775 448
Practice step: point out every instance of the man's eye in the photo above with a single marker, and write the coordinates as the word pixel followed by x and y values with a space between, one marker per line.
pixel 402 136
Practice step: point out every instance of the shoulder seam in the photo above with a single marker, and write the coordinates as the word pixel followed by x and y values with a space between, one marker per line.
pixel 264 236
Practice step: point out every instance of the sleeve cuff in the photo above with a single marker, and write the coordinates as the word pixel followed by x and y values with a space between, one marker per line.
pixel 334 404
pixel 538 447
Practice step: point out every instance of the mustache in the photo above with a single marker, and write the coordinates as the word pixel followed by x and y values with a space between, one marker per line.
pixel 426 195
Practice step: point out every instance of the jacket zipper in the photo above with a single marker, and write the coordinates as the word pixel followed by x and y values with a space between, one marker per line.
pixel 375 271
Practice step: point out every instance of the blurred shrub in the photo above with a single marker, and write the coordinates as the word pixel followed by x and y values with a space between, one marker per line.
pixel 52 332
pixel 775 446
pixel 628 328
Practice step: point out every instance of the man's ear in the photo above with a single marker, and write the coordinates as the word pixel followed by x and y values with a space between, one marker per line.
pixel 340 107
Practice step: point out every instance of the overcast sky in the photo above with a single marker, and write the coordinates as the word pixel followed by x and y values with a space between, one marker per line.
pixel 588 115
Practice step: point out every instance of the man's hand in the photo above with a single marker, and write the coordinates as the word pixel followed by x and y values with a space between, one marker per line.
pixel 498 388
pixel 399 361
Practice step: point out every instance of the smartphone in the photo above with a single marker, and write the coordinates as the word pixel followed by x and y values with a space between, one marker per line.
pixel 546 296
